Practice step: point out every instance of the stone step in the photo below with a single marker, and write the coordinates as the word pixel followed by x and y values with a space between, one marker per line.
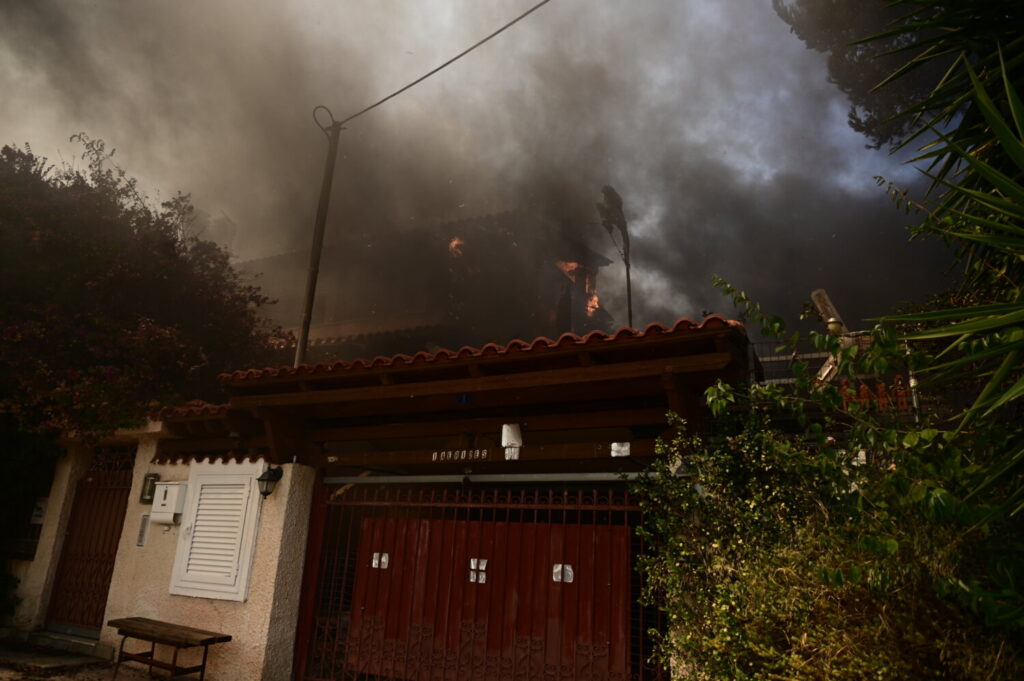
pixel 38 661
pixel 68 642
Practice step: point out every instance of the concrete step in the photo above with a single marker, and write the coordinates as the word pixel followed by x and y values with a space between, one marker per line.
pixel 43 662
pixel 79 645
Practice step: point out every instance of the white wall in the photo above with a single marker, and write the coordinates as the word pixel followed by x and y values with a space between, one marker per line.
pixel 262 627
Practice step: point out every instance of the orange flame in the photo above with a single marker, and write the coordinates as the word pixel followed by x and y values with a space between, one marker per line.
pixel 455 247
pixel 568 268
pixel 593 302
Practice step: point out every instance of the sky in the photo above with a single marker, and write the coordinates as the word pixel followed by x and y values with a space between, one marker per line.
pixel 719 129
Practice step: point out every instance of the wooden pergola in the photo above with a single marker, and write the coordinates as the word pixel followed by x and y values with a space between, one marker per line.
pixel 571 397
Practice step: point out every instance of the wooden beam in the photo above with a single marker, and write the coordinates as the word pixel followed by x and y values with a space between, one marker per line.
pixel 220 444
pixel 623 393
pixel 638 345
pixel 435 457
pixel 606 419
pixel 243 423
pixel 285 436
pixel 534 379
pixel 673 392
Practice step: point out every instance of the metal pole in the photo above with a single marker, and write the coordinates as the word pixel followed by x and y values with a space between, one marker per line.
pixel 333 132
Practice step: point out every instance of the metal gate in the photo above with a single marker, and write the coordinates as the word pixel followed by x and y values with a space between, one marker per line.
pixel 460 584
pixel 86 564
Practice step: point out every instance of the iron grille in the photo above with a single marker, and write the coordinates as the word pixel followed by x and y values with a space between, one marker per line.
pixel 502 583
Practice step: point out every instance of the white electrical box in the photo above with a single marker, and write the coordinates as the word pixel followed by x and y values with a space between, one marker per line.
pixel 168 502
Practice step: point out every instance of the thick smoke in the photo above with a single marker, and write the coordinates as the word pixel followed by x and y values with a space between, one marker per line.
pixel 717 127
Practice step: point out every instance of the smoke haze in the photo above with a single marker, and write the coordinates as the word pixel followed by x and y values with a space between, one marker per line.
pixel 721 132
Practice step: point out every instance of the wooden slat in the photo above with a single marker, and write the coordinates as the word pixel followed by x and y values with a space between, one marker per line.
pixel 535 379
pixel 167 633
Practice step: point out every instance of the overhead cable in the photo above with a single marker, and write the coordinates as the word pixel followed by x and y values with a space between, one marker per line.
pixel 454 59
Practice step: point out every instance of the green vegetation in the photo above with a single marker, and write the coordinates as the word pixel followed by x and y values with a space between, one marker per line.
pixel 110 306
pixel 109 309
pixel 812 542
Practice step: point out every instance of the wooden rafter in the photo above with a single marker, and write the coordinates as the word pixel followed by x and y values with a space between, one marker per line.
pixel 533 379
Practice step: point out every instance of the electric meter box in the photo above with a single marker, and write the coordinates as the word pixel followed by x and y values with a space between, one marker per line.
pixel 168 502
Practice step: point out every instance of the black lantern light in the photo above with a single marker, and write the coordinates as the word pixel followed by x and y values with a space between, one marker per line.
pixel 268 480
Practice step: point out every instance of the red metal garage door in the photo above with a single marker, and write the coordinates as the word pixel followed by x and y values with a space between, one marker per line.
pixel 449 584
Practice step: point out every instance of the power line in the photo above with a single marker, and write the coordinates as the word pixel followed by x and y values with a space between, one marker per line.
pixel 332 132
pixel 454 59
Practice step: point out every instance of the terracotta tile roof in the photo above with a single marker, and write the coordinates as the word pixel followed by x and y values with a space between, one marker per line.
pixel 491 349
pixel 193 408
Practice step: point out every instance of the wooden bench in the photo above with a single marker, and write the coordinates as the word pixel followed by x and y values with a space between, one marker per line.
pixel 164 633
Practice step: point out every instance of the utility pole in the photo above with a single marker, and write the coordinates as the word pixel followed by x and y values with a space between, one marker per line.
pixel 333 132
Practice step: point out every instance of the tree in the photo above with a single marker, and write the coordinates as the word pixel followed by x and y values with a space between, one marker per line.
pixel 110 307
pixel 903 44
pixel 783 554
pixel 809 540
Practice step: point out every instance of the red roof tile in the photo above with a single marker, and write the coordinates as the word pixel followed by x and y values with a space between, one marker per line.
pixel 491 349
pixel 193 408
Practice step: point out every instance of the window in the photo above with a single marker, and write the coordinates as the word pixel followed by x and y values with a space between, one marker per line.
pixel 218 531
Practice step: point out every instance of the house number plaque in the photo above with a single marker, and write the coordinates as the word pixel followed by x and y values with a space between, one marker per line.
pixel 460 455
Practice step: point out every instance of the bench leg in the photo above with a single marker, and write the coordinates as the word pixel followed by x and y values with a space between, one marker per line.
pixel 120 656
pixel 202 670
pixel 174 662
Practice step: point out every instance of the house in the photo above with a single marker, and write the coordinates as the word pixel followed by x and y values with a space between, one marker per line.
pixel 444 515
pixel 512 274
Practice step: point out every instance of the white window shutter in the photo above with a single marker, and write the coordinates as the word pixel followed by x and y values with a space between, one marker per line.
pixel 217 535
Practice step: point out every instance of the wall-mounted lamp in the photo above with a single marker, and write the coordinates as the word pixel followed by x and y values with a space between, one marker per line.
pixel 511 440
pixel 268 480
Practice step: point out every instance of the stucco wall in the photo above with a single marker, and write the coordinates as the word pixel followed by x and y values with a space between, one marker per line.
pixel 263 626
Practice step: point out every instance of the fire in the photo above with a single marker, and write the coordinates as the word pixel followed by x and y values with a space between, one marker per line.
pixel 568 268
pixel 455 247
pixel 593 302
pixel 572 270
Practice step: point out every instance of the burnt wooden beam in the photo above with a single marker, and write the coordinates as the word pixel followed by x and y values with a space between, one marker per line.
pixel 534 379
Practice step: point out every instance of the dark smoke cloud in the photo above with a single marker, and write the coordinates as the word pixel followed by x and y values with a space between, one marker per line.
pixel 719 130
